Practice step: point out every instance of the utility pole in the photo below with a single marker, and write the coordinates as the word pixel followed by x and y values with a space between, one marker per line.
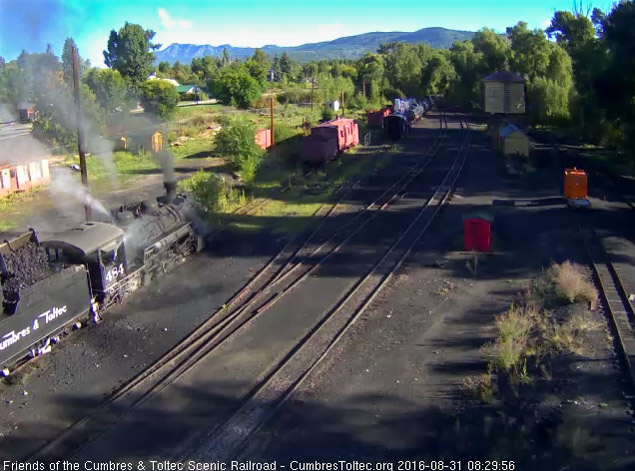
pixel 80 132
pixel 273 135
pixel 312 91
pixel 364 88
pixel 342 103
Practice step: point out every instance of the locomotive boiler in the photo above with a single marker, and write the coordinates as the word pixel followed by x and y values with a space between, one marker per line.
pixel 51 285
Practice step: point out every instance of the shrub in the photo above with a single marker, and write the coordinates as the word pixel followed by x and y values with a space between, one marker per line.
pixel 515 324
pixel 571 283
pixel 505 354
pixel 328 114
pixel 283 131
pixel 480 387
pixel 295 95
pixel 207 188
pixel 236 140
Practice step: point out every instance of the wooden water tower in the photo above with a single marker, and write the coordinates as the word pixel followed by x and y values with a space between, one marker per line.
pixel 504 93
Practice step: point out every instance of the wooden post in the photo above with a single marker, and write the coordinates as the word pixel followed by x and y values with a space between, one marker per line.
pixel 364 88
pixel 80 132
pixel 273 136
pixel 342 102
pixel 312 91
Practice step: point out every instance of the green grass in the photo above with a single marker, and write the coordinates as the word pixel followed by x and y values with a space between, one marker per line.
pixel 13 205
pixel 199 147
pixel 185 112
pixel 287 212
pixel 125 164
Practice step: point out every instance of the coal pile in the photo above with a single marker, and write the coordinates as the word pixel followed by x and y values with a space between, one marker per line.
pixel 25 266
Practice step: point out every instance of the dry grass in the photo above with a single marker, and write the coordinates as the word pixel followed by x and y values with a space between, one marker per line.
pixel 505 354
pixel 568 337
pixel 480 387
pixel 571 283
pixel 515 323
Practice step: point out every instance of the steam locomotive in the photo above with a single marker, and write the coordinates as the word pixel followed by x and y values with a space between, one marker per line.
pixel 53 285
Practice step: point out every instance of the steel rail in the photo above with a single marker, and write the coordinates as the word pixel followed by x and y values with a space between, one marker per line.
pixel 223 441
pixel 186 353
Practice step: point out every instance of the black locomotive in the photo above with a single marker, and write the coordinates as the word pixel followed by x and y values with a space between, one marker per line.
pixel 49 286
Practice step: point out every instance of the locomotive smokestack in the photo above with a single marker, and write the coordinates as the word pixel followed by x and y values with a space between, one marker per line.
pixel 170 189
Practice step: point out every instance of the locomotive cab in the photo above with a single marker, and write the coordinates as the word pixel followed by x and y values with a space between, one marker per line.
pixel 96 245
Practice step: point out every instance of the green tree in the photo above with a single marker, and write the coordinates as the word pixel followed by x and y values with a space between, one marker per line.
pixel 285 65
pixel 110 89
pixel 225 60
pixel 67 60
pixel 233 85
pixel 438 75
pixel 258 66
pixel 494 49
pixel 403 67
pixel 130 52
pixel 159 97
pixel 236 141
pixel 467 64
pixel 204 68
pixel 371 71
pixel 164 67
pixel 616 88
pixel 530 51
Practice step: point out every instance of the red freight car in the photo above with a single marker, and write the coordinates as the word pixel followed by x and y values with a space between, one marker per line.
pixel 327 140
pixel 376 118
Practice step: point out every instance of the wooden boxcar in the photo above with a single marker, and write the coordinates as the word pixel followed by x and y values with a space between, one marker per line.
pixel 327 140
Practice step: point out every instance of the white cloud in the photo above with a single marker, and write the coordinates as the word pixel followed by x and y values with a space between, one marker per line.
pixel 168 22
pixel 546 23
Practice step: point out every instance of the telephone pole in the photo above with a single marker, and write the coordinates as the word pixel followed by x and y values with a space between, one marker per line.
pixel 364 88
pixel 273 135
pixel 80 132
pixel 312 91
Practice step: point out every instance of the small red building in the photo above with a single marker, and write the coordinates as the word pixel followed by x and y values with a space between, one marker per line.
pixel 477 231
pixel 263 138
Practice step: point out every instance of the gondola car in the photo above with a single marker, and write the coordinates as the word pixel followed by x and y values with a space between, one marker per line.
pixel 49 286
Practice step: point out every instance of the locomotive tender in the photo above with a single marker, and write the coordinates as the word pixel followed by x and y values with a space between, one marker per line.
pixel 52 285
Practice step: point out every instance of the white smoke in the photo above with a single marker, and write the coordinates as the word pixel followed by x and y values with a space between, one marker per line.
pixel 64 186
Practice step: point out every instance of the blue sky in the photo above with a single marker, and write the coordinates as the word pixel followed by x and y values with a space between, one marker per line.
pixel 30 24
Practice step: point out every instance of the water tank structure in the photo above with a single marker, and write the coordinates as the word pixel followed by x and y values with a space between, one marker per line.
pixel 504 93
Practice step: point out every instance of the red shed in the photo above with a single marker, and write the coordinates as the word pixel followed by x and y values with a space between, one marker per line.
pixel 477 231
pixel 263 138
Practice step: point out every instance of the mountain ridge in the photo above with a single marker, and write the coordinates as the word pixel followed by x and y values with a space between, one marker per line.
pixel 346 47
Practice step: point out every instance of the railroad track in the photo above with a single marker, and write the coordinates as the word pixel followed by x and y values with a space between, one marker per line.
pixel 225 441
pixel 241 309
pixel 615 300
pixel 614 297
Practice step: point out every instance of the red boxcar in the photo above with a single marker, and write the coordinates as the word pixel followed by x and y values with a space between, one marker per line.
pixel 263 138
pixel 327 140
pixel 376 118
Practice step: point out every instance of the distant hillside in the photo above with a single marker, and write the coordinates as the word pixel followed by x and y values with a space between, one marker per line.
pixel 350 47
